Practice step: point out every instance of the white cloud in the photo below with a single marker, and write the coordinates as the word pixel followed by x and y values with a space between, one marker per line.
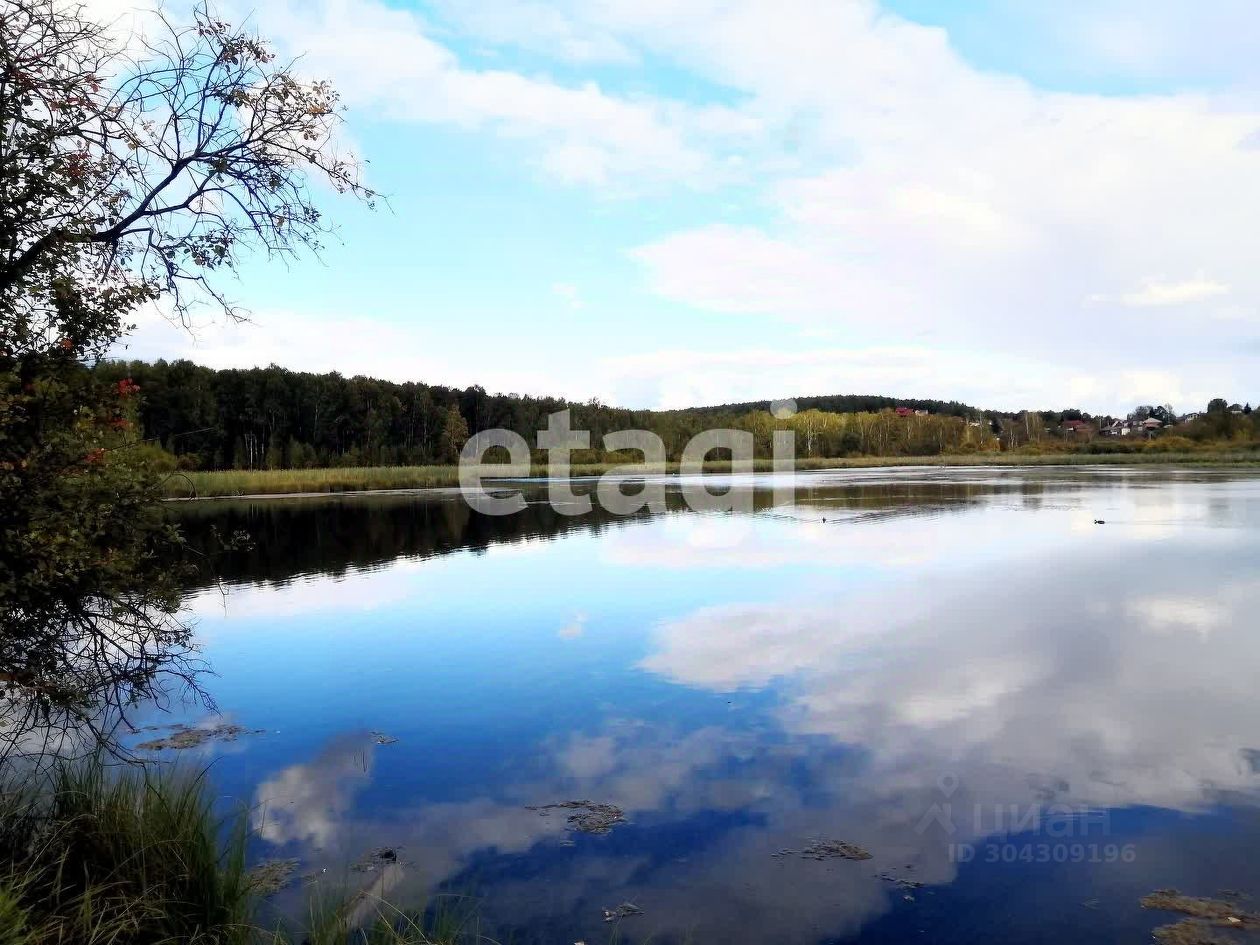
pixel 1175 293
pixel 393 62
pixel 538 27
pixel 1143 39
pixel 574 628
pixel 990 378
pixel 1004 236
pixel 908 198
pixel 745 270
pixel 301 341
pixel 1163 613
pixel 675 377
pixel 940 199
pixel 308 802
pixel 570 294
pixel 388 60
pixel 1117 721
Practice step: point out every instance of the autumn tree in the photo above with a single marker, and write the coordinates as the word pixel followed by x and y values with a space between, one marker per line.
pixel 134 171
pixel 454 435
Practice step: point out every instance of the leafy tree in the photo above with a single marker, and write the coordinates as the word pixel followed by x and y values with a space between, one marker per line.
pixel 124 181
pixel 454 435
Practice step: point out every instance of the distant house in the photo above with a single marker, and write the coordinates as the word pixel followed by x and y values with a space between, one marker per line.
pixel 1150 424
pixel 1074 427
pixel 920 413
pixel 905 412
pixel 1115 428
pixel 1235 408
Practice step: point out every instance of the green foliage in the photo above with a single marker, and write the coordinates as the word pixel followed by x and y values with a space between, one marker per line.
pixel 274 419
pixel 361 920
pixel 454 435
pixel 92 854
pixel 95 855
pixel 279 419
pixel 123 181
pixel 15 920
pixel 1220 423
pixel 88 612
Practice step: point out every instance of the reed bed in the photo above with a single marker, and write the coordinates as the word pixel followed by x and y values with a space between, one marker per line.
pixel 96 853
pixel 276 482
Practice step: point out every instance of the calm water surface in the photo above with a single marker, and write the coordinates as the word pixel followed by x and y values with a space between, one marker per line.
pixel 1038 718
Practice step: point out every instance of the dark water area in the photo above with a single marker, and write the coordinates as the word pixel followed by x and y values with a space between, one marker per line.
pixel 1027 719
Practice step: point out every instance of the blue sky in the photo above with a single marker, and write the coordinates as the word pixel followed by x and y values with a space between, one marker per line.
pixel 662 203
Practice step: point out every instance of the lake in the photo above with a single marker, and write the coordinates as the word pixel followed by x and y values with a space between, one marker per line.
pixel 1027 720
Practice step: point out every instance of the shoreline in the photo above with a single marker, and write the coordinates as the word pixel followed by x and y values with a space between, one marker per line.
pixel 366 480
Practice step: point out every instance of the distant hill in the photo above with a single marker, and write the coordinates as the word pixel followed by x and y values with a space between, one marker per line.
pixel 853 403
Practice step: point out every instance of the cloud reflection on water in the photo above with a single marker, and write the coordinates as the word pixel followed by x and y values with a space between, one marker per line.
pixel 1007 645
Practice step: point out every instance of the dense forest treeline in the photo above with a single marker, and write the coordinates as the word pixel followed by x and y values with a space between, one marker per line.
pixel 261 418
pixel 272 418
pixel 275 418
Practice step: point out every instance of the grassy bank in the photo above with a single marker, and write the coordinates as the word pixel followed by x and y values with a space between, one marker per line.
pixel 94 855
pixel 373 478
pixel 90 857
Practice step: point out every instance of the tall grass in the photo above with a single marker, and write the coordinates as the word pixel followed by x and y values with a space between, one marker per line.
pixel 364 920
pixel 376 478
pixel 91 854
pixel 97 855
pixel 282 481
